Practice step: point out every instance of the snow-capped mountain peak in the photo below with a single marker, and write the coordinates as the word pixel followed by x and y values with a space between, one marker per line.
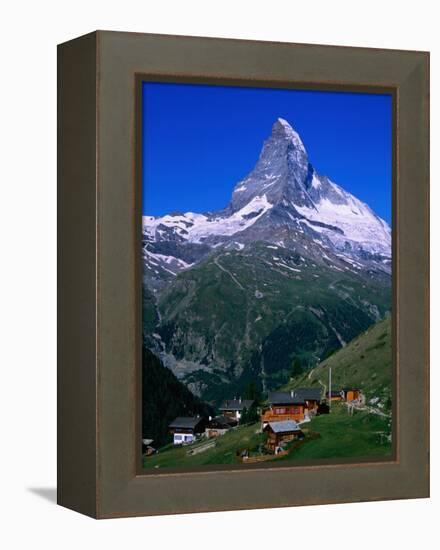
pixel 283 192
pixel 282 129
pixel 280 172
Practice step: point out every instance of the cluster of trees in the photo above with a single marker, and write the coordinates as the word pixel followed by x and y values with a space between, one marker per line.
pixel 251 415
pixel 297 368
pixel 164 398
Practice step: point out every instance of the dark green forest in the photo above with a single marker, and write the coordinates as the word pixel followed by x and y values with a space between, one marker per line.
pixel 164 398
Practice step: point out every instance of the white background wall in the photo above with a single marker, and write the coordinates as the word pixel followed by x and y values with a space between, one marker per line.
pixel 29 34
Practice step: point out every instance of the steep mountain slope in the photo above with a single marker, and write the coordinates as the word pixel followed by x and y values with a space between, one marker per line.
pixel 247 314
pixel 293 266
pixel 365 363
pixel 163 399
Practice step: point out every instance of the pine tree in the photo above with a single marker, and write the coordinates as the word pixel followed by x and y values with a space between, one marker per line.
pixel 296 367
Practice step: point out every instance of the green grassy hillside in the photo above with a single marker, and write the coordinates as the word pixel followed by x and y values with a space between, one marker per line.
pixel 224 452
pixel 366 363
pixel 340 435
pixel 331 436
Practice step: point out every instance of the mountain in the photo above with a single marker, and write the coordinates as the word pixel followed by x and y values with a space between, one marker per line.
pixel 163 399
pixel 366 362
pixel 293 266
pixel 283 192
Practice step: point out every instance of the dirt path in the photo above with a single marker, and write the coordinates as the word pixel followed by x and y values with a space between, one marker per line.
pixel 371 410
pixel 323 385
pixel 236 281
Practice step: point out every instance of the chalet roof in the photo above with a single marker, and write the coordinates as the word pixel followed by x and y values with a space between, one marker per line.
pixel 285 426
pixel 284 398
pixel 188 422
pixel 226 419
pixel 334 393
pixel 311 394
pixel 236 404
pixel 222 421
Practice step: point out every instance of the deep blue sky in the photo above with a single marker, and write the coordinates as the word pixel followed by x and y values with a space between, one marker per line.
pixel 200 140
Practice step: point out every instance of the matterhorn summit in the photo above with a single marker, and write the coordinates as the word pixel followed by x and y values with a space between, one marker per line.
pixel 281 170
pixel 283 200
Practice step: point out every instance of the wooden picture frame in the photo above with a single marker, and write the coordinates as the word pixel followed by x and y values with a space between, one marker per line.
pixel 99 471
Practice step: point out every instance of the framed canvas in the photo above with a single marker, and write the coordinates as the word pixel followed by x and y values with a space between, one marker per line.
pixel 243 274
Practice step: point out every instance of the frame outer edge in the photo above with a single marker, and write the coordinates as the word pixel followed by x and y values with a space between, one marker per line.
pixel 121 56
pixel 413 272
pixel 77 271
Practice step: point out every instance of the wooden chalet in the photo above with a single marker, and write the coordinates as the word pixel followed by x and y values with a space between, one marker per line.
pixel 185 429
pixel 293 405
pixel 280 432
pixel 336 395
pixel 233 408
pixel 311 396
pixel 347 394
pixel 219 426
pixel 283 406
pixel 351 394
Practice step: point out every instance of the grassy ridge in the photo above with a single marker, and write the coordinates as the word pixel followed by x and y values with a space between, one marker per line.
pixel 366 363
pixel 344 436
pixel 224 452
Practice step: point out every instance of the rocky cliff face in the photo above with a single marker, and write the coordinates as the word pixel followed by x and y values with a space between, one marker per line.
pixel 282 172
pixel 293 266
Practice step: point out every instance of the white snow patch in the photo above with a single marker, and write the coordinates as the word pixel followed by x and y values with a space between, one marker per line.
pixel 194 227
pixel 360 225
pixel 288 267
pixel 315 182
pixel 154 258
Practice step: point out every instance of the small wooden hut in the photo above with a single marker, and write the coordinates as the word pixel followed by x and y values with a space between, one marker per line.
pixel 280 432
